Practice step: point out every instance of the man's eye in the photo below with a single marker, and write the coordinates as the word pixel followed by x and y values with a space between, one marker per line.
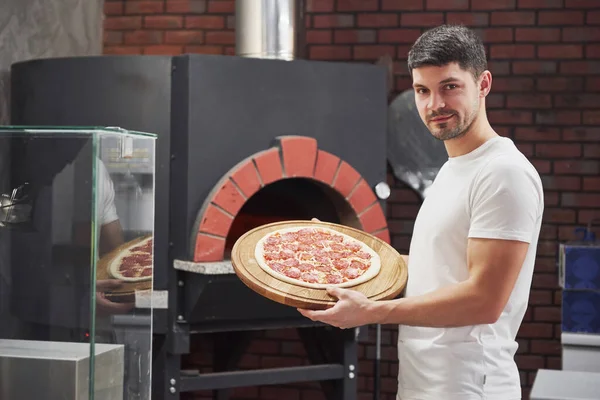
pixel 450 86
pixel 421 91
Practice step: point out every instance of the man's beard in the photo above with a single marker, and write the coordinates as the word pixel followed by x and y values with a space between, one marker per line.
pixel 444 131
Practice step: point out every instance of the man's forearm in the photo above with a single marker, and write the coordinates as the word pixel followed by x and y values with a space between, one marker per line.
pixel 461 304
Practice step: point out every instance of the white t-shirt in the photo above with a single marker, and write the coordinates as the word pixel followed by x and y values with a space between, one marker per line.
pixel 491 192
pixel 107 212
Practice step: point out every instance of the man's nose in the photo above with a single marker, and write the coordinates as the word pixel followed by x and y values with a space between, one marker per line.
pixel 436 102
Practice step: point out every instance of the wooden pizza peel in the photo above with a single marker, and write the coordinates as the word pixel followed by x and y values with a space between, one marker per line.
pixel 388 284
pixel 126 292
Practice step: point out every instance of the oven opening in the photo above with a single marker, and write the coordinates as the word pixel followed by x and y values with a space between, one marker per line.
pixel 290 199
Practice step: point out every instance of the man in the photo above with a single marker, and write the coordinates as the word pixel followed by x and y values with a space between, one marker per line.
pixel 474 243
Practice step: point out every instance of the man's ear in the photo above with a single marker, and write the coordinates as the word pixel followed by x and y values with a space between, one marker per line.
pixel 485 83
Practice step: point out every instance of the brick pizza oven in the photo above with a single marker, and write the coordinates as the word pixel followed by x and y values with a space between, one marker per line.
pixel 247 196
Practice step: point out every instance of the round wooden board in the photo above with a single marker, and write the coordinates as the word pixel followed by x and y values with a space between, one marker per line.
pixel 389 282
pixel 127 289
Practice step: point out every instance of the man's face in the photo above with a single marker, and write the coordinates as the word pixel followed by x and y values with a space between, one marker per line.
pixel 447 99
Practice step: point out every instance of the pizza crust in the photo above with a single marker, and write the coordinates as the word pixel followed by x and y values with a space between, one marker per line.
pixel 113 267
pixel 370 273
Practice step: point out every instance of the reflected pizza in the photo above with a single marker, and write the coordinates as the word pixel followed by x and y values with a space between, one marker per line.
pixel 133 262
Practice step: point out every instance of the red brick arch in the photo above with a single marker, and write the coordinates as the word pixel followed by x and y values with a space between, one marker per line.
pixel 291 157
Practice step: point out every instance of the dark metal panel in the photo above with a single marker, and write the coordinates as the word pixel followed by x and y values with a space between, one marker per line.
pixel 267 376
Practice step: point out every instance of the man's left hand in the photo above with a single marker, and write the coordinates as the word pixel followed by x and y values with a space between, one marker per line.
pixel 351 310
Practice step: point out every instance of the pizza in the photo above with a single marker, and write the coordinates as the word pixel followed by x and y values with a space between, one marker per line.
pixel 316 257
pixel 133 262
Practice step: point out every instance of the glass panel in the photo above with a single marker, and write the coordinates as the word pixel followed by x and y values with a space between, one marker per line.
pixel 64 212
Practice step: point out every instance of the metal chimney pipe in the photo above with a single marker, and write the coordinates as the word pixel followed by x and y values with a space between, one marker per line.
pixel 269 28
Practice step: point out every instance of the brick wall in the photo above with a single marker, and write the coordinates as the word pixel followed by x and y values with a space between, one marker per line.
pixel 545 59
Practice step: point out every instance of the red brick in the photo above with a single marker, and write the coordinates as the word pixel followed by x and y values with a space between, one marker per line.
pixel 534 67
pixel 123 50
pixel 543 167
pixel 552 182
pixel 591 151
pixel 468 18
pixel 591 117
pixel 499 68
pixel 547 347
pixel 326 167
pixel 593 18
pixel 495 100
pixel 320 5
pixel 537 134
pixel 144 7
pixel 163 22
pixel 444 5
pixel 560 216
pixel 592 50
pixel 215 222
pixel 510 84
pixel 592 84
pixel 269 166
pixel 581 3
pixel 566 233
pixel 560 84
pixel 299 154
pixel 357 5
pixel 184 37
pixel 537 34
pixel 204 49
pixel 330 52
pixel 402 5
pixel 384 235
pixel 122 23
pixel 558 117
pixel 510 18
pixel 493 4
pixel 512 51
pixel 563 17
pixel 205 22
pixel 333 21
pixel 583 167
pixel 187 6
pixel 143 37
pixel 496 35
pixel 546 264
pixel 229 198
pixel 377 20
pixel 546 281
pixel 582 134
pixel 113 8
pixel 221 7
pixel 113 37
pixel 372 52
pixel 422 19
pixel 535 330
pixel 246 178
pixel 540 297
pixel 163 50
pixel 581 34
pixel 373 219
pixel 592 184
pixel 208 248
pixel 529 101
pixel 347 177
pixel 223 37
pixel 510 117
pixel 318 36
pixel 563 150
pixel 540 4
pixel 362 197
pixel 585 216
pixel 586 100
pixel 355 36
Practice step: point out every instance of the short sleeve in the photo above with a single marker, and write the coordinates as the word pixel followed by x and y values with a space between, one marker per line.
pixel 106 199
pixel 506 202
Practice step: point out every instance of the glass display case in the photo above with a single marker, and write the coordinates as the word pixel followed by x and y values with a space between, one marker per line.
pixel 76 263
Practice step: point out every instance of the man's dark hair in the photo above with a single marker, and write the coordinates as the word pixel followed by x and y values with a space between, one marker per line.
pixel 446 44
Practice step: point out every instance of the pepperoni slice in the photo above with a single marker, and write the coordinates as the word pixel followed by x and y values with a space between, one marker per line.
pixel 364 255
pixel 289 237
pixel 341 264
pixel 147 272
pixel 274 240
pixel 337 238
pixel 338 247
pixel 292 272
pixel 359 265
pixel 306 231
pixel 309 277
pixel 277 267
pixel 271 256
pixel 305 267
pixel 335 255
pixel 305 256
pixel 291 262
pixel 304 247
pixel 290 246
pixel 330 278
pixel 270 247
pixel 323 267
pixel 351 273
pixel 285 254
pixel 354 247
pixel 322 259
